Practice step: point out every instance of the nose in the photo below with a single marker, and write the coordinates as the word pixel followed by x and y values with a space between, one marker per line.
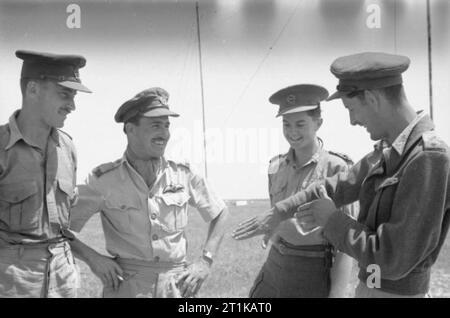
pixel 292 131
pixel 71 105
pixel 166 133
pixel 353 120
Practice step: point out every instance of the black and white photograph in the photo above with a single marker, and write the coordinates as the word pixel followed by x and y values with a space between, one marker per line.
pixel 241 149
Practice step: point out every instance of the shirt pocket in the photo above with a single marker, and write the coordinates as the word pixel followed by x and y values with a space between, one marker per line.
pixel 388 182
pixel 20 208
pixel 173 211
pixel 64 199
pixel 118 216
pixel 385 193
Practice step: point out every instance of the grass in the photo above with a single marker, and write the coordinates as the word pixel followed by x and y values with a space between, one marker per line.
pixel 238 263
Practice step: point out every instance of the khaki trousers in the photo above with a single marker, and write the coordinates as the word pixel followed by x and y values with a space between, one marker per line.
pixel 38 271
pixel 143 279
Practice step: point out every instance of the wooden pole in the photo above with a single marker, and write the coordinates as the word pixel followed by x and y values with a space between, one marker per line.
pixel 430 65
pixel 201 88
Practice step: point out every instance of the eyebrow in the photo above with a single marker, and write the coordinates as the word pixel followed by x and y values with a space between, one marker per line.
pixel 67 90
pixel 301 121
pixel 160 121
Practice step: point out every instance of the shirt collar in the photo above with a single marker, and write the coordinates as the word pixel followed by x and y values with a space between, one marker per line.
pixel 400 142
pixel 314 158
pixel 16 134
pixel 54 134
pixel 124 161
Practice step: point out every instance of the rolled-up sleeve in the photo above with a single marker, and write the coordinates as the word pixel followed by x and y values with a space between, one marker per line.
pixel 204 199
pixel 89 201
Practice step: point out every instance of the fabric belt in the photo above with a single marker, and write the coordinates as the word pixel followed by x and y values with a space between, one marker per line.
pixel 142 265
pixel 56 240
pixel 44 246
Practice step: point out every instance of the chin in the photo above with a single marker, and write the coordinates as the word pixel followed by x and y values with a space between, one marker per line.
pixel 58 125
pixel 157 154
pixel 300 145
pixel 375 137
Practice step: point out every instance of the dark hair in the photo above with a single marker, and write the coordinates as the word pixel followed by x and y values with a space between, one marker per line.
pixel 23 85
pixel 357 94
pixel 315 113
pixel 25 80
pixel 133 120
pixel 392 93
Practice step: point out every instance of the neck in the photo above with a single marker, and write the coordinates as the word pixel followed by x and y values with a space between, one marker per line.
pixel 146 167
pixel 32 128
pixel 398 120
pixel 134 155
pixel 304 154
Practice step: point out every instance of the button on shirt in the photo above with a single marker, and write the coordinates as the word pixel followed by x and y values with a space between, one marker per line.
pixel 286 179
pixel 142 223
pixel 36 185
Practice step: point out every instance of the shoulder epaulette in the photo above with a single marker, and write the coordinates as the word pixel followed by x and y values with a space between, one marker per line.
pixel 344 157
pixel 62 131
pixel 274 163
pixel 104 168
pixel 432 141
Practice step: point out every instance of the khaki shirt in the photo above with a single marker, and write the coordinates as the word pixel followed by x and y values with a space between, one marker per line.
pixel 142 223
pixel 36 185
pixel 286 179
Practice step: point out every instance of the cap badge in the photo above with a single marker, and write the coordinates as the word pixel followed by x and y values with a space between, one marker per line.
pixel 291 99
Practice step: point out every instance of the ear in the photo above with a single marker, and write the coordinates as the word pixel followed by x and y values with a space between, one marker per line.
pixel 32 88
pixel 319 122
pixel 372 99
pixel 129 128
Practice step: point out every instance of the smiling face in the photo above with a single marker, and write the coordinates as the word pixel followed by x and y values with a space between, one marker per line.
pixel 300 129
pixel 54 102
pixel 366 114
pixel 148 138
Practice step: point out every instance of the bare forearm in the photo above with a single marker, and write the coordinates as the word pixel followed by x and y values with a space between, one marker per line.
pixel 82 251
pixel 340 275
pixel 216 232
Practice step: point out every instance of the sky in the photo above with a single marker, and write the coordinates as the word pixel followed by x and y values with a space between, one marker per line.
pixel 250 49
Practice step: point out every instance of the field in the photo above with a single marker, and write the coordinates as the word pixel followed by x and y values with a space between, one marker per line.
pixel 238 263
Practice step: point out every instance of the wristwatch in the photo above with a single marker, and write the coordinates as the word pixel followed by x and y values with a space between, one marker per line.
pixel 207 256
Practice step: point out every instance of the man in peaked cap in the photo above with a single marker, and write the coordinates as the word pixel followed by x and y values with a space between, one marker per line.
pixel 37 179
pixel 300 265
pixel 143 199
pixel 403 190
